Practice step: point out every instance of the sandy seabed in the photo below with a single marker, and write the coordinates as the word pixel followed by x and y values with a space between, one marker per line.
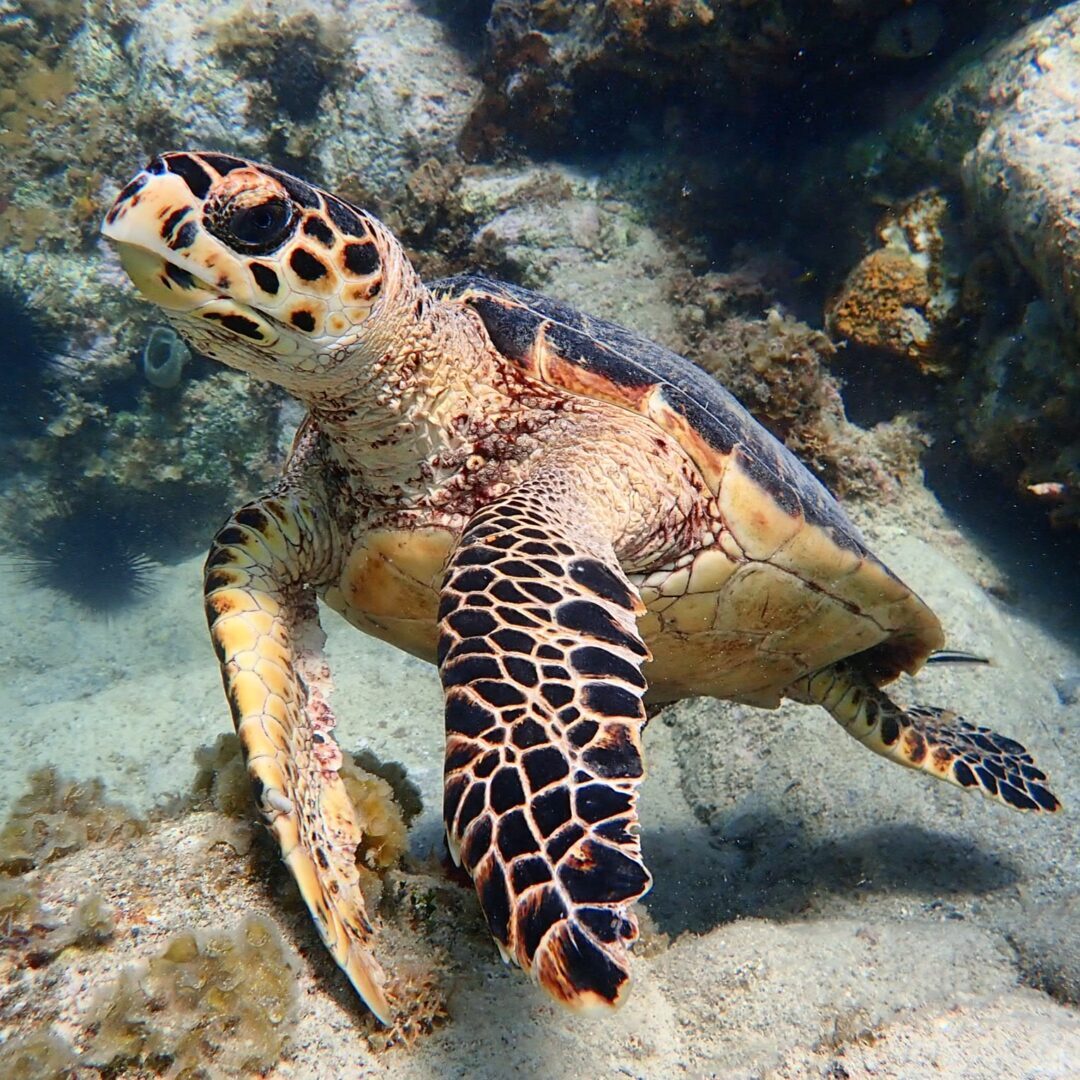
pixel 817 911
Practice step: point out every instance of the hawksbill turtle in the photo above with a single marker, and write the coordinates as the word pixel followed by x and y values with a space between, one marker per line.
pixel 574 523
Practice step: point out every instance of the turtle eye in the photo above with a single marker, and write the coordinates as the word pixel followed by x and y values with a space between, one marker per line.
pixel 261 227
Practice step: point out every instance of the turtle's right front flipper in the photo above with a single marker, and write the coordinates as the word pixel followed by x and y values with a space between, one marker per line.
pixel 264 624
pixel 541 664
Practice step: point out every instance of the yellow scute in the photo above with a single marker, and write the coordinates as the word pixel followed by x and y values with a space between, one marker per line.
pixel 390 586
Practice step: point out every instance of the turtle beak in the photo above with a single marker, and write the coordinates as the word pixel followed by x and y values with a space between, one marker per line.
pixel 147 226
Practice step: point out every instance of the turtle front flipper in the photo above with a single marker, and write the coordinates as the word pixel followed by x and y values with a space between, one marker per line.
pixel 541 664
pixel 264 624
pixel 937 741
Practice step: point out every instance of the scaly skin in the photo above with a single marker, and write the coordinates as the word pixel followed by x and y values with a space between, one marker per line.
pixel 551 520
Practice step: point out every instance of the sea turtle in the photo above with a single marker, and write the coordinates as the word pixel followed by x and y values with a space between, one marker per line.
pixel 573 522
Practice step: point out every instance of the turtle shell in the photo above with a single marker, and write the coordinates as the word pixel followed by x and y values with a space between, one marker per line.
pixel 776 510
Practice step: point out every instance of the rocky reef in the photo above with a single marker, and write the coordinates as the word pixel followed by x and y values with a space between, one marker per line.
pixel 167 996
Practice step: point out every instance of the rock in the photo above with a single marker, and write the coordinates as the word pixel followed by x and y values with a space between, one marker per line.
pixel 1023 175
pixel 903 297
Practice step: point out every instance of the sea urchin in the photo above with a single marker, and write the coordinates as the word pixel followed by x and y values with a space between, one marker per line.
pixel 88 552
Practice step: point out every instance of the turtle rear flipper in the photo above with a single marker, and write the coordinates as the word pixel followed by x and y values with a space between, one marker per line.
pixel 541 664
pixel 937 741
pixel 264 625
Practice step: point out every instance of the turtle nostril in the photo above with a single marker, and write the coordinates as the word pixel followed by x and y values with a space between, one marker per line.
pixel 156 167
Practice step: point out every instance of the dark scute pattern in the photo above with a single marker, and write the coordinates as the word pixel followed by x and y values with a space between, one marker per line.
pixel 499 694
pixel 583 733
pixel 477 843
pixel 476 555
pixel 473 580
pixel 523 672
pixel 306 265
pixel 1046 799
pixel 506 791
pixel 591 967
pixel 231 534
pixel 191 172
pixel 508 593
pixel 595 802
pixel 556 694
pixel 989 781
pixel 610 700
pixel 253 517
pixel 551 810
pixel 133 187
pixel 515 836
pixel 468 668
pixel 630 360
pixel 487 764
pixel 494 899
pixel 519 569
pixel 223 163
pixel 528 872
pixel 964 774
pixel 538 917
pixel 361 259
pixel 314 226
pixel 265 278
pixel 185 236
pixel 238 324
pixel 605 924
pixel 597 578
pixel 513 641
pixel 168 226
pixel 890 730
pixel 300 192
pixel 605 875
pixel 347 218
pixel 471 623
pixel 563 841
pixel 303 320
pixel 617 758
pixel 471 807
pixel 528 733
pixel 544 767
pixel 459 754
pixel 587 617
pixel 602 664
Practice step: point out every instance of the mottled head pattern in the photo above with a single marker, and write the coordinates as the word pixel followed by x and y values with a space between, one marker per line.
pixel 259 269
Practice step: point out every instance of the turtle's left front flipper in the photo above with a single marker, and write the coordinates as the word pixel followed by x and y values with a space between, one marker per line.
pixel 541 665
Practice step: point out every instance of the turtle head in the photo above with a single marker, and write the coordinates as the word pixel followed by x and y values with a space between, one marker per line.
pixel 261 270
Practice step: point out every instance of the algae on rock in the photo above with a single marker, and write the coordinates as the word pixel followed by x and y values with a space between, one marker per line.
pixel 214 1002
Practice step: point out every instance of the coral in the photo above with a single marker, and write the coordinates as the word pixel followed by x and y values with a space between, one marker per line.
pixel 92 925
pixel 39 1055
pixel 375 788
pixel 164 357
pixel 20 909
pixel 214 1002
pixel 56 817
pixel 903 297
